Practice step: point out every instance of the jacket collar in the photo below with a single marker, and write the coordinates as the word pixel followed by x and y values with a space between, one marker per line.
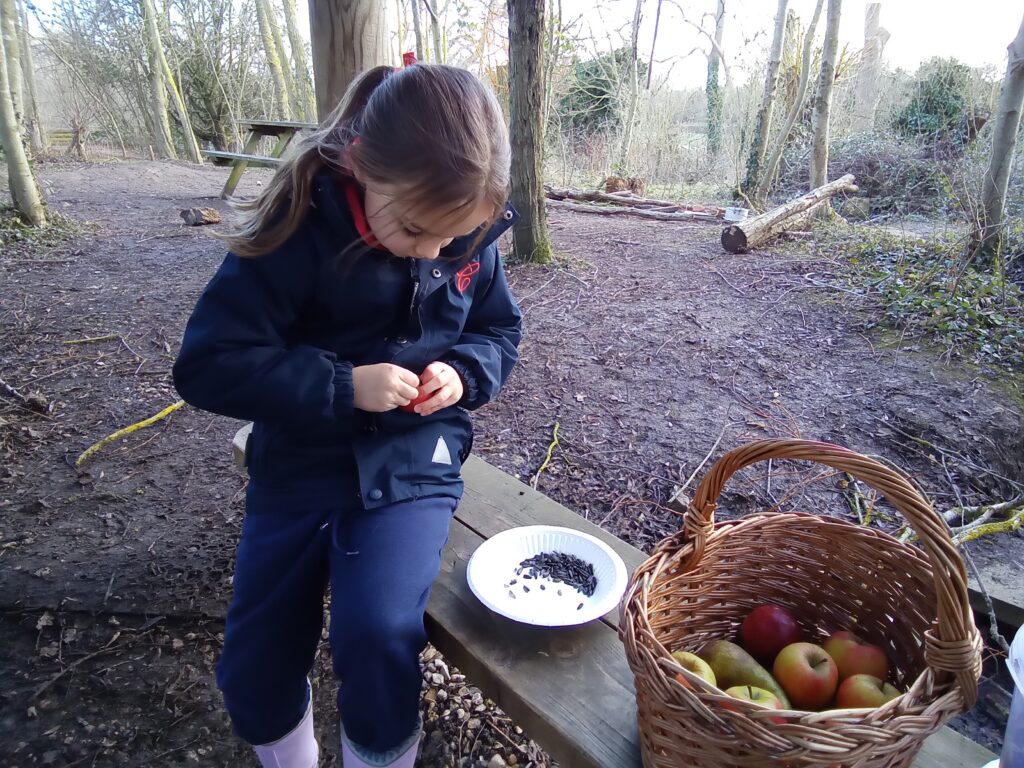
pixel 342 211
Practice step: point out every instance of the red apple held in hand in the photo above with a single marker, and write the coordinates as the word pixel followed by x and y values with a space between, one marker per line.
pixel 411 407
pixel 807 674
pixel 758 696
pixel 693 663
pixel 767 630
pixel 854 656
pixel 860 691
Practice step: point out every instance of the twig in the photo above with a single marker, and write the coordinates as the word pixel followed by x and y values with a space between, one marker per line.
pixel 681 489
pixel 34 402
pixel 547 459
pixel 75 664
pixel 90 340
pixel 95 447
pixel 993 623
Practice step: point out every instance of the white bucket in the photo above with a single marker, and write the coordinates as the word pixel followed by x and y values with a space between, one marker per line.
pixel 736 214
pixel 1012 755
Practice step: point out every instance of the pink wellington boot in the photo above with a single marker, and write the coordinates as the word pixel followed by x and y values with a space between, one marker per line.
pixel 402 756
pixel 296 749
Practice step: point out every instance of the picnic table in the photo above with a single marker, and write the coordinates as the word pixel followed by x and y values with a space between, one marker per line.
pixel 283 130
pixel 570 688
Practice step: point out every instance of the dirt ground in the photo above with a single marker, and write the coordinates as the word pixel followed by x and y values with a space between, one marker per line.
pixel 647 346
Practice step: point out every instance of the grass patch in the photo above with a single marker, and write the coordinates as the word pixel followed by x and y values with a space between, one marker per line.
pixel 924 290
pixel 19 240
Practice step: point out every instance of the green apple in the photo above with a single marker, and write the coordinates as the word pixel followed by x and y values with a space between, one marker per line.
pixel 695 664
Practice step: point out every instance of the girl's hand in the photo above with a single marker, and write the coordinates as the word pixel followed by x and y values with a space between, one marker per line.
pixel 443 386
pixel 383 387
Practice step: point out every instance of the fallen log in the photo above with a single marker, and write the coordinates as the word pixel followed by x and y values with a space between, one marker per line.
pixel 745 235
pixel 606 210
pixel 630 200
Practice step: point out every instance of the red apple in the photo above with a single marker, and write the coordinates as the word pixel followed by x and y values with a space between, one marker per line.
pixel 411 407
pixel 757 696
pixel 854 656
pixel 858 691
pixel 693 663
pixel 807 674
pixel 767 630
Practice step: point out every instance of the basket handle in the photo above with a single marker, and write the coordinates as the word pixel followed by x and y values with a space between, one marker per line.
pixel 953 644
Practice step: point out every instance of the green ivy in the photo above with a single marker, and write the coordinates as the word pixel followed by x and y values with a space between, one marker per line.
pixel 924 289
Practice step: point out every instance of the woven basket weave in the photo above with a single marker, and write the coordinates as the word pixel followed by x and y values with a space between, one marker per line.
pixel 700 583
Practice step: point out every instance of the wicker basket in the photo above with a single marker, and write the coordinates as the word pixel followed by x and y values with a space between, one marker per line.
pixel 700 583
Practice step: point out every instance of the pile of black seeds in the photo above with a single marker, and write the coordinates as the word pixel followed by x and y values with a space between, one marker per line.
pixel 560 566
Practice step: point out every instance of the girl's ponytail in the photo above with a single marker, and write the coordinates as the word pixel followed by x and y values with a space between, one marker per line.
pixel 269 220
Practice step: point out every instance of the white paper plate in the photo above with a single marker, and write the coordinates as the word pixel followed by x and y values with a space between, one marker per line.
pixel 493 566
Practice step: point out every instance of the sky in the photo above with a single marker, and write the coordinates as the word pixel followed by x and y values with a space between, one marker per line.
pixel 976 33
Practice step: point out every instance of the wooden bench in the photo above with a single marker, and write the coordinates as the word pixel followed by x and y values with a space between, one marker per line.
pixel 569 688
pixel 283 130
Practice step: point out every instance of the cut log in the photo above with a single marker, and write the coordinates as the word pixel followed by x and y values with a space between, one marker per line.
pixel 631 200
pixel 607 210
pixel 197 217
pixel 745 235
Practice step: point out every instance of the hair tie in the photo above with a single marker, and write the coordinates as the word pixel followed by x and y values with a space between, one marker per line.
pixel 408 59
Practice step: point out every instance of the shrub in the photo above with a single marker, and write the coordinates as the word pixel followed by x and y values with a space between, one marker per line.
pixel 940 96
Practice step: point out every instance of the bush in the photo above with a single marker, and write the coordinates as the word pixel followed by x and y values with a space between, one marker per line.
pixel 894 173
pixel 940 97
pixel 596 98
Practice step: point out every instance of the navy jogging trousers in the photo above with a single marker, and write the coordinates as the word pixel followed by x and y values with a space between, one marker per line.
pixel 380 565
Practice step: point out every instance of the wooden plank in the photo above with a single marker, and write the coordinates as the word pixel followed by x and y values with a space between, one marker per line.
pixel 239 165
pixel 276 127
pixel 237 156
pixel 949 749
pixel 569 687
pixel 1002 580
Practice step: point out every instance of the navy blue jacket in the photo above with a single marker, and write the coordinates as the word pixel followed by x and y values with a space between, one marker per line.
pixel 273 340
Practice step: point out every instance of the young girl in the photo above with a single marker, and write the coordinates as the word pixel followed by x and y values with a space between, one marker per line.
pixel 361 313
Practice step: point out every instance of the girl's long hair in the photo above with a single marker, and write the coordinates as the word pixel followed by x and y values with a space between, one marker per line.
pixel 433 132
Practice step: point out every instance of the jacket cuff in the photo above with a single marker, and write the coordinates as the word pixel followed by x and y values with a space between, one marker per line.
pixel 344 393
pixel 471 389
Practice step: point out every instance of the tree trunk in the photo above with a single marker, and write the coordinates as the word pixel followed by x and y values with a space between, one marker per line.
pixel 654 40
pixel 435 31
pixel 36 132
pixel 989 237
pixel 9 24
pixel 300 62
pixel 526 92
pixel 24 190
pixel 772 166
pixel 741 237
pixel 763 122
pixel 866 96
pixel 552 53
pixel 713 89
pixel 421 52
pixel 290 85
pixel 268 25
pixel 348 37
pixel 622 166
pixel 189 136
pixel 823 98
pixel 157 84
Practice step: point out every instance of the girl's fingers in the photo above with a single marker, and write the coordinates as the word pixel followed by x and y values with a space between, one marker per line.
pixel 406 391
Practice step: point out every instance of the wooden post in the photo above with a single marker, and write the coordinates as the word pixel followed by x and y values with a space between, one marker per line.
pixel 348 36
pixel 743 236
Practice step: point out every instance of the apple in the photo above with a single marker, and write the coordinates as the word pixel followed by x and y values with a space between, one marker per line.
pixel 861 691
pixel 807 674
pixel 757 696
pixel 693 663
pixel 767 630
pixel 411 407
pixel 854 656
